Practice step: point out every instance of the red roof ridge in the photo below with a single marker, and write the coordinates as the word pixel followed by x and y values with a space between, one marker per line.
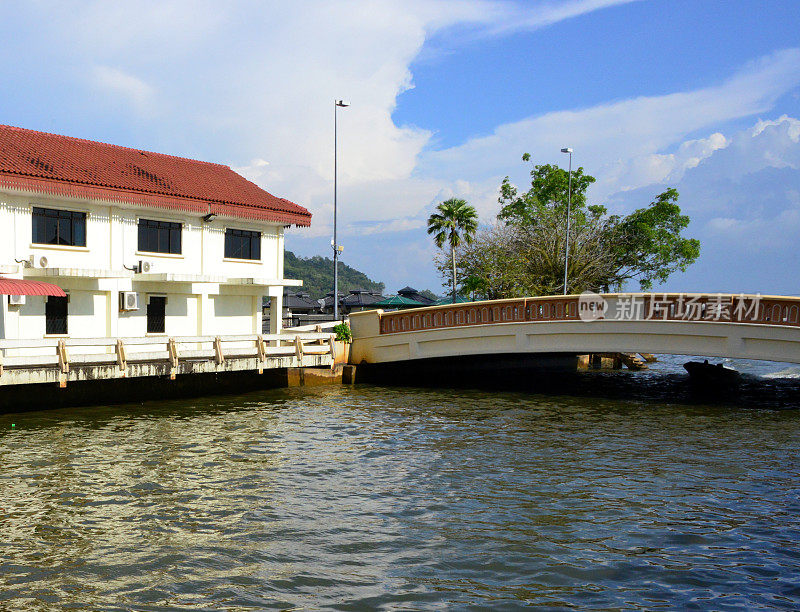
pixel 34 160
pixel 113 146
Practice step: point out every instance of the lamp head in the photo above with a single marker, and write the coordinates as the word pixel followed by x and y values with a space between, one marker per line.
pixel 342 103
pixel 209 217
pixel 566 150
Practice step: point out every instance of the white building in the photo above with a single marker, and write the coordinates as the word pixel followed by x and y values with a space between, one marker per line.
pixel 141 243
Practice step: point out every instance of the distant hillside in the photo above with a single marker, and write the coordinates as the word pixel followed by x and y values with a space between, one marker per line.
pixel 317 275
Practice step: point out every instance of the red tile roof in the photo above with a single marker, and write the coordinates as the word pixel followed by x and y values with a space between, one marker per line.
pixel 61 165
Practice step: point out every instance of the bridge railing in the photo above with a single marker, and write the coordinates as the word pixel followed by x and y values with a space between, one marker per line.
pixel 730 308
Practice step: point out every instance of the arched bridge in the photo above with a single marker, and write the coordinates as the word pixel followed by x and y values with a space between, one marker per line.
pixel 716 325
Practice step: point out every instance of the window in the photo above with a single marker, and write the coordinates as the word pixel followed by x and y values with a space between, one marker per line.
pixel 241 244
pixel 55 315
pixel 51 226
pixel 160 236
pixel 156 314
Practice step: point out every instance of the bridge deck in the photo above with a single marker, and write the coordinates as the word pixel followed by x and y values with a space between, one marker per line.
pixel 720 325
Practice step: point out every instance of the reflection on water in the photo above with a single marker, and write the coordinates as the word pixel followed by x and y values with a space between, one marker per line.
pixel 367 497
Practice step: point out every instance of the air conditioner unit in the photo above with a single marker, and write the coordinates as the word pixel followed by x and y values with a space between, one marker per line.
pixel 16 300
pixel 142 267
pixel 32 262
pixel 128 300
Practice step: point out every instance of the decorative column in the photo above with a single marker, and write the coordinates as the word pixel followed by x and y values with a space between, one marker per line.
pixel 276 311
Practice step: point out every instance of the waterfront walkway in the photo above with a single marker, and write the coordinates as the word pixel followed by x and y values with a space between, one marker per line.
pixel 61 360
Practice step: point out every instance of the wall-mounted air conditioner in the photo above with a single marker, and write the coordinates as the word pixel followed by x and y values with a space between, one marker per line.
pixel 16 300
pixel 32 262
pixel 128 300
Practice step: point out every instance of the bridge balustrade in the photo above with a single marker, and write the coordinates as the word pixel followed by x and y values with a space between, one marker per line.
pixel 724 308
pixel 504 311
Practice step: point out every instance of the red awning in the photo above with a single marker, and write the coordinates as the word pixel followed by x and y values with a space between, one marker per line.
pixel 16 286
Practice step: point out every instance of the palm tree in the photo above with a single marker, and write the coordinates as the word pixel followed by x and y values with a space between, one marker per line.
pixel 454 221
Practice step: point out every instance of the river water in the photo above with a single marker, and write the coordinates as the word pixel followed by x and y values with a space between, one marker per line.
pixel 366 497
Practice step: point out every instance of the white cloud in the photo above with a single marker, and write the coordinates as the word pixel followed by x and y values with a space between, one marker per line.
pixel 744 202
pixel 793 131
pixel 257 81
pixel 395 225
pixel 663 167
pixel 118 83
pixel 622 142
pixel 497 18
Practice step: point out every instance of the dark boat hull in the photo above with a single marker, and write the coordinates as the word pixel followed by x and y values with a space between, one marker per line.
pixel 712 374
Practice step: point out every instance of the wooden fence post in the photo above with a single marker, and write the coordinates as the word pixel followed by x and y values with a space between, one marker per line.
pixel 172 349
pixel 262 353
pixel 332 345
pixel 219 356
pixel 63 357
pixel 63 363
pixel 298 349
pixel 122 362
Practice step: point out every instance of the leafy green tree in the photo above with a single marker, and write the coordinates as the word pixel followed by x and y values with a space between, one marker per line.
pixel 472 285
pixel 548 192
pixel 524 253
pixel 650 245
pixel 455 222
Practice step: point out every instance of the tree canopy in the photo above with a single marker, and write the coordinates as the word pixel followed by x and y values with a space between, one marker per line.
pixel 523 253
pixel 454 222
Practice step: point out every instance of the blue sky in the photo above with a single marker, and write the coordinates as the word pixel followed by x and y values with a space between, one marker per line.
pixel 446 96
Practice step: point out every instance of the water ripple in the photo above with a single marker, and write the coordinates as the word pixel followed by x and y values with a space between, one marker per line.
pixel 376 498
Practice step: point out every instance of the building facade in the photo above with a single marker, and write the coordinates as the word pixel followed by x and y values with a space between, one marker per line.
pixel 142 243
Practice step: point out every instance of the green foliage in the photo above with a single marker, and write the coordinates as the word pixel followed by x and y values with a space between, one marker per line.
pixel 548 193
pixel 524 253
pixel 650 241
pixel 343 333
pixel 473 285
pixel 455 222
pixel 317 275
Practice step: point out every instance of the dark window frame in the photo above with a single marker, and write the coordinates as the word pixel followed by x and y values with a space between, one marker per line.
pixel 157 315
pixel 242 244
pixel 56 316
pixel 156 236
pixel 57 226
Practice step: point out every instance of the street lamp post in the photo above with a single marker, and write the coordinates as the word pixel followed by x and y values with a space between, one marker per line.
pixel 335 244
pixel 569 206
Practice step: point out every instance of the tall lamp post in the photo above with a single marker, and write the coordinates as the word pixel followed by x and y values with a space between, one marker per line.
pixel 569 206
pixel 334 243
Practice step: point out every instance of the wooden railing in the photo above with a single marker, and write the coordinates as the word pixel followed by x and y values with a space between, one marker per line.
pixel 728 308
pixel 64 353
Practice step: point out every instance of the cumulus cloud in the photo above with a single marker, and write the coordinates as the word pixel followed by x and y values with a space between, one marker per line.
pixel 744 202
pixel 243 80
pixel 623 141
